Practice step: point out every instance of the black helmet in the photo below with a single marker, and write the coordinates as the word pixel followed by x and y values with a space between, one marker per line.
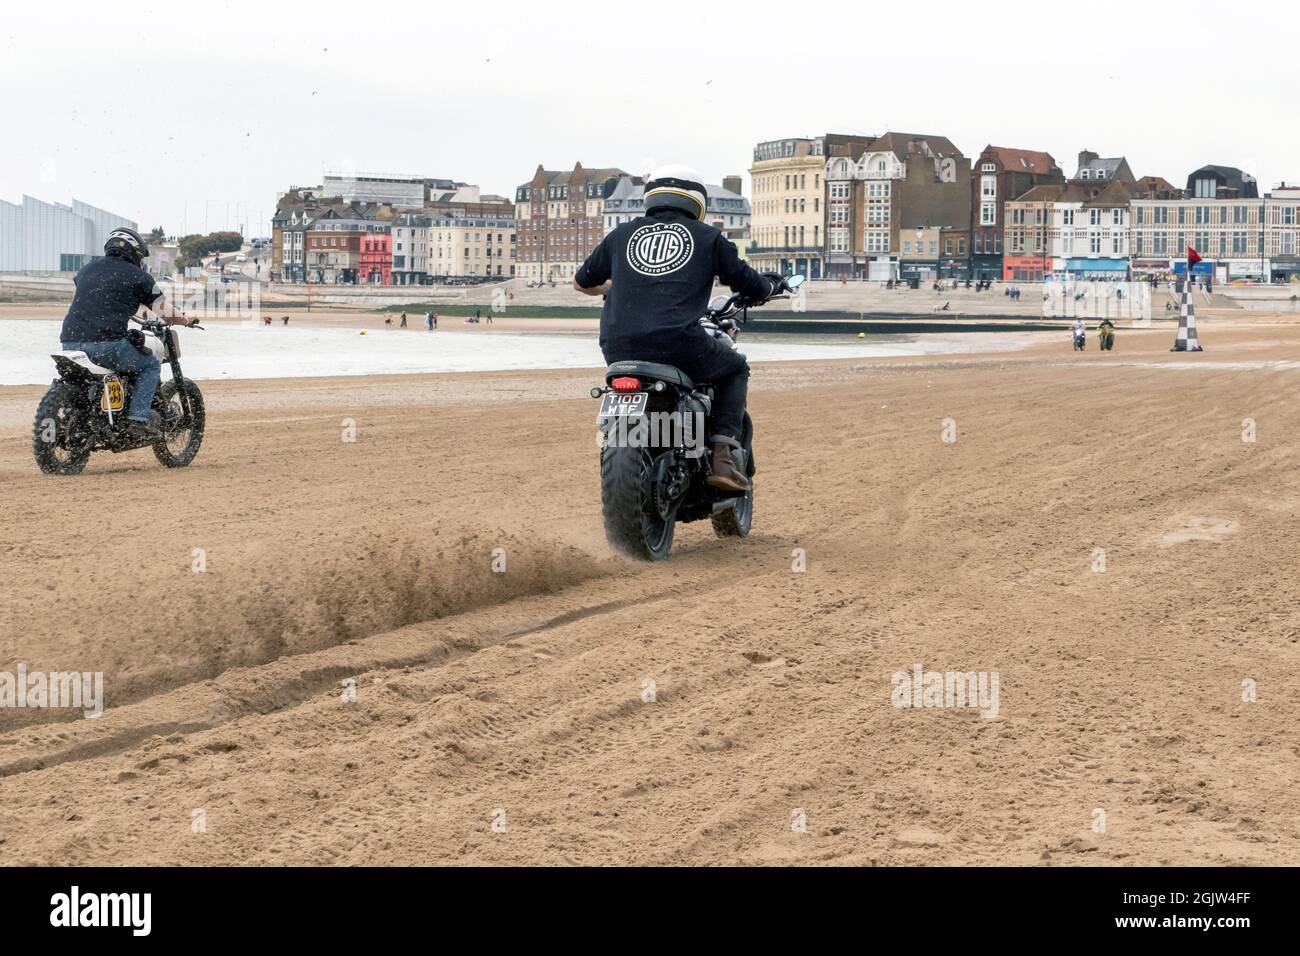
pixel 126 244
pixel 676 187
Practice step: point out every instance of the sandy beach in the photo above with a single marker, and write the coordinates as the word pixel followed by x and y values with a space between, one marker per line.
pixel 347 680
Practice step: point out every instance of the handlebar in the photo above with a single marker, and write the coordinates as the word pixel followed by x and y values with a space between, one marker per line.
pixel 159 325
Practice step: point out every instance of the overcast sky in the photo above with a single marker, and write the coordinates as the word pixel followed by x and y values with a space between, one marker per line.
pixel 195 116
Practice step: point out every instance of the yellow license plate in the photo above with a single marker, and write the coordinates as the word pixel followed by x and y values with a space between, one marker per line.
pixel 113 397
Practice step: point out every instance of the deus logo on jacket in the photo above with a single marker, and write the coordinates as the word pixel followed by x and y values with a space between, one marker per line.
pixel 659 248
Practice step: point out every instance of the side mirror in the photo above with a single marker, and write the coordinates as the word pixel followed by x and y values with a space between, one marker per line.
pixel 718 303
pixel 793 282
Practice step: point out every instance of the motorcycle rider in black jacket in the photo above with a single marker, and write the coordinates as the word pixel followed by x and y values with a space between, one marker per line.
pixel 109 292
pixel 656 274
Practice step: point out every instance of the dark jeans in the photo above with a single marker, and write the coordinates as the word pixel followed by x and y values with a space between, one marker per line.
pixel 121 356
pixel 704 359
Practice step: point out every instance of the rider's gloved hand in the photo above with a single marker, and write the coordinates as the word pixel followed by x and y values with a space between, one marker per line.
pixel 777 280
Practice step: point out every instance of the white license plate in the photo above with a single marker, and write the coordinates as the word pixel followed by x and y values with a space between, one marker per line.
pixel 623 403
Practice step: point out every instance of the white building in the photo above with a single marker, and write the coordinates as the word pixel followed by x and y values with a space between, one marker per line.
pixel 38 236
pixel 403 192
pixel 1227 233
pixel 727 209
pixel 411 249
pixel 1090 232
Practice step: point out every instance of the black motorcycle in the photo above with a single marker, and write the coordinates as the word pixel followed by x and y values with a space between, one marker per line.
pixel 85 409
pixel 1080 339
pixel 654 451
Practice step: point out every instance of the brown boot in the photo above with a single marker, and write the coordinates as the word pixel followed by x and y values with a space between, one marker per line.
pixel 725 476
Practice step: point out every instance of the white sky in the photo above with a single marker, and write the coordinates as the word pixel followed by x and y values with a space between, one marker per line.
pixel 195 116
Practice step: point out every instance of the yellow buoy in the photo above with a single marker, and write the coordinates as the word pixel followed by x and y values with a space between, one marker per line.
pixel 862 335
pixel 363 331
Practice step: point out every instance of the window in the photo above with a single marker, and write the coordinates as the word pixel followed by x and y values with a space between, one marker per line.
pixel 988 214
pixel 1094 217
pixel 1067 217
pixel 1117 217
pixel 1094 243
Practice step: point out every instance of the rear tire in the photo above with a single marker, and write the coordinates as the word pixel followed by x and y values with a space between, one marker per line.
pixel 735 522
pixel 55 416
pixel 178 446
pixel 631 523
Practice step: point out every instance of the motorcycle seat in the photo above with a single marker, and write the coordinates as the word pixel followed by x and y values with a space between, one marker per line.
pixel 651 370
pixel 78 357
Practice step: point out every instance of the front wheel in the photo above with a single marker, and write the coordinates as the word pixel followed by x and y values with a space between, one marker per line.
pixel 59 441
pixel 633 522
pixel 182 434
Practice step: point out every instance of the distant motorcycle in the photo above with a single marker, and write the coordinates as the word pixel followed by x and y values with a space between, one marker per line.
pixel 85 409
pixel 1106 337
pixel 1079 338
pixel 654 459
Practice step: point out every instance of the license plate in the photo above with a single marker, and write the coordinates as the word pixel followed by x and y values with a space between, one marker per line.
pixel 623 403
pixel 113 397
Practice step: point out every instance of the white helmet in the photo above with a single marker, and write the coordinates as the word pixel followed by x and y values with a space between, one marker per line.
pixel 676 187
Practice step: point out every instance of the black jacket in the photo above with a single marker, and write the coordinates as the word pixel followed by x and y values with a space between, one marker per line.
pixel 109 291
pixel 662 267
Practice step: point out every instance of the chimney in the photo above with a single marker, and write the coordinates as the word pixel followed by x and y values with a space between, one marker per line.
pixel 1085 157
pixel 731 184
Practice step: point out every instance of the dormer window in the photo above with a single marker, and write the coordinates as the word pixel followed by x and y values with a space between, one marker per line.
pixel 1085 174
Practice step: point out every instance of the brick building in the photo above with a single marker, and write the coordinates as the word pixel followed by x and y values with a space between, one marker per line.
pixel 1002 174
pixel 559 220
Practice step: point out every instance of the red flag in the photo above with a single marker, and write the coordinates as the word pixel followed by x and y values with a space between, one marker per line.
pixel 1193 256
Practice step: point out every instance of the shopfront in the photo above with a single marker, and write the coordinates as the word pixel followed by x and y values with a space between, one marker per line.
pixel 1152 268
pixel 1246 270
pixel 1025 268
pixel 1115 270
pixel 1285 270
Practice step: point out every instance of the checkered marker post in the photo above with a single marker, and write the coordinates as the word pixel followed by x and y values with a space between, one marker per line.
pixel 1186 340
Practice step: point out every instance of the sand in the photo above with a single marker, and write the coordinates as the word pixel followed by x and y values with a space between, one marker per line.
pixel 718 708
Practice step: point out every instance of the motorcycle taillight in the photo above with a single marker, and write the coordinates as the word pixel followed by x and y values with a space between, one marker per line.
pixel 625 383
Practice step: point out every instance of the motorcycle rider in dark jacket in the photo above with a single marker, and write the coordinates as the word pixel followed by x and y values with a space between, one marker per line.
pixel 656 274
pixel 109 292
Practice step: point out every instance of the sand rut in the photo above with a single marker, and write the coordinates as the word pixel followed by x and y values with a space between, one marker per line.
pixel 213 624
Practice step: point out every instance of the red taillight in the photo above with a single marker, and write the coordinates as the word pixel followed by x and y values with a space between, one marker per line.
pixel 625 384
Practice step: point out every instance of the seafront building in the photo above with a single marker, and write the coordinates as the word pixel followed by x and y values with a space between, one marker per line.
pixel 38 236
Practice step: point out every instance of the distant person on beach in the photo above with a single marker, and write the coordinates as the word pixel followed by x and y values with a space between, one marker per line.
pixel 403 325
pixel 435 321
pixel 428 321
